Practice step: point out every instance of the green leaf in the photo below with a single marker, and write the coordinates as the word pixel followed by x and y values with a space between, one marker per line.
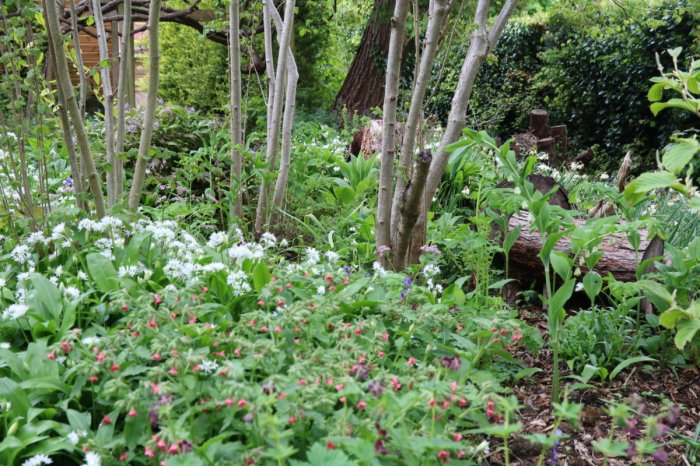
pixel 677 156
pixel 670 318
pixel 611 447
pixel 453 294
pixel 345 194
pixel 561 263
pixel 319 455
pixel 527 372
pixel 648 182
pixel 686 331
pixel 592 284
pixel 657 107
pixel 261 276
pixel 102 271
pixel 628 362
pixel 562 295
pixel 656 92
pixel 48 296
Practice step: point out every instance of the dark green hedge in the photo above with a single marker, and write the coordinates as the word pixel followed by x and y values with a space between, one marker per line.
pixel 590 67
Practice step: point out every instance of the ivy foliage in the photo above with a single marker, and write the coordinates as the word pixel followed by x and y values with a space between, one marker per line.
pixel 589 66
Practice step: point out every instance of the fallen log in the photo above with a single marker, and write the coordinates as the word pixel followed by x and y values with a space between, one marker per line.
pixel 619 257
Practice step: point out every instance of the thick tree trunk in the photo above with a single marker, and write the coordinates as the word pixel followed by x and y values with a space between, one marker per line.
pixel 235 129
pixel 151 102
pixel 63 79
pixel 386 174
pixel 363 88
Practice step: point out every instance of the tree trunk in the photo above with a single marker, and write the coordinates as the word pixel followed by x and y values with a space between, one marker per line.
pixel 289 107
pixel 151 102
pixel 386 174
pixel 273 135
pixel 78 56
pixel 236 131
pixel 439 10
pixel 482 42
pixel 539 123
pixel 269 61
pixel 363 88
pixel 106 79
pixel 619 257
pixel 125 73
pixel 63 79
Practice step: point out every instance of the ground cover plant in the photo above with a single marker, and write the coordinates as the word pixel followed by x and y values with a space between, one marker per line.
pixel 296 264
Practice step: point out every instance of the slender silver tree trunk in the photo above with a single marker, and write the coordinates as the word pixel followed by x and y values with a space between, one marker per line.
pixel 63 79
pixel 122 89
pixel 483 40
pixel 287 125
pixel 236 98
pixel 273 137
pixel 78 56
pixel 151 102
pixel 106 78
pixel 439 11
pixel 386 173
pixel 269 63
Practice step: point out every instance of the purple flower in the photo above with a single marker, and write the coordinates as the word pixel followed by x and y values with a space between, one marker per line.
pixel 660 455
pixel 553 457
pixel 190 110
pixel 452 363
pixel 429 248
pixel 363 371
pixel 382 250
pixel 407 283
pixel 380 448
pixel 68 182
pixel 347 270
pixel 376 387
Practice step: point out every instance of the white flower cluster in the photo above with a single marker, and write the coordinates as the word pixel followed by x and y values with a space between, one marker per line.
pixel 238 281
pixel 75 436
pixel 37 460
pixel 209 366
pixel 15 311
pixel 217 239
pixel 105 224
pixel 92 459
pixel 243 251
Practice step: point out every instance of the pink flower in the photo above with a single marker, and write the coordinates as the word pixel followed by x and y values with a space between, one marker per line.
pixel 148 452
pixel 156 357
pixel 173 449
pixel 132 413
pixel 385 336
pixel 157 299
pixel 106 420
pixel 444 456
pixel 115 368
pixel 361 405
pixel 278 329
pixel 100 357
pixel 242 403
pixel 229 402
pixel 411 361
pixel 172 371
pixel 155 388
pixel 93 379
pixel 51 356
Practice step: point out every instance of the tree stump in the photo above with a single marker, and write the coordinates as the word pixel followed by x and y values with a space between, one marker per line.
pixel 560 135
pixel 538 123
pixel 548 146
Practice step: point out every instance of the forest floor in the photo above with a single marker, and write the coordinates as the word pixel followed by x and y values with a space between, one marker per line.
pixel 642 389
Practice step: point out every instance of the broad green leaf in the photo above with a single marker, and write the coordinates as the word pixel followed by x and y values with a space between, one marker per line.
pixel 48 296
pixel 686 331
pixel 261 276
pixel 657 107
pixel 344 194
pixel 677 156
pixel 561 263
pixel 319 455
pixel 656 92
pixel 102 271
pixel 592 284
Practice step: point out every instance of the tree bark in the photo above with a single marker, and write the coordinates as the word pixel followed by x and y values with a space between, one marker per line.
pixel 63 79
pixel 483 40
pixel 539 123
pixel 363 88
pixel 411 208
pixel 269 61
pixel 386 173
pixel 439 10
pixel 273 136
pixel 125 73
pixel 235 129
pixel 106 79
pixel 151 102
pixel 619 257
pixel 78 56
pixel 289 107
